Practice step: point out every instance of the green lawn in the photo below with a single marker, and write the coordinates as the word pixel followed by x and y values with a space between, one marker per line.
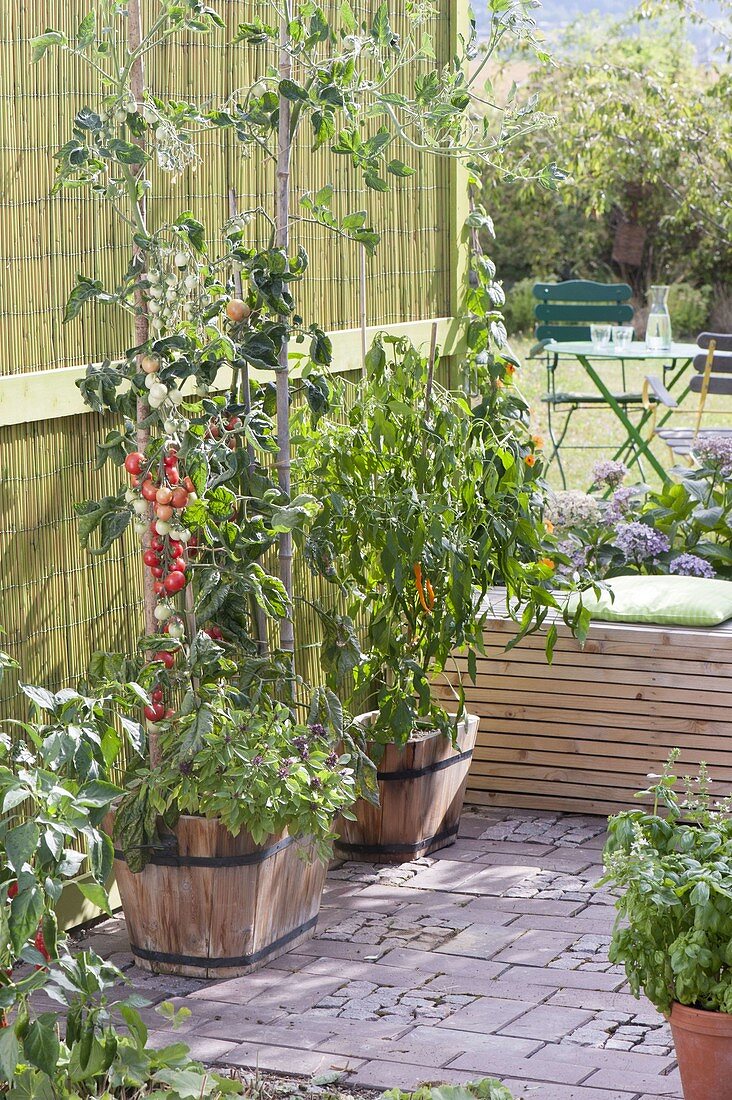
pixel 597 426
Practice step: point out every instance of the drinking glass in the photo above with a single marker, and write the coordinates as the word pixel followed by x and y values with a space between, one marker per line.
pixel 601 336
pixel 623 337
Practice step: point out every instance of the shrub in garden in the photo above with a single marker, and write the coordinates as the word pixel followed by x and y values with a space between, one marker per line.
pixel 689 308
pixel 518 311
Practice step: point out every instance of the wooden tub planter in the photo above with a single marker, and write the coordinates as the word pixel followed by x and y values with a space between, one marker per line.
pixel 210 905
pixel 421 794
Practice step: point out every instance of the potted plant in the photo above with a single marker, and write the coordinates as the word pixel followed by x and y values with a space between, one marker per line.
pixel 206 448
pixel 427 505
pixel 674 925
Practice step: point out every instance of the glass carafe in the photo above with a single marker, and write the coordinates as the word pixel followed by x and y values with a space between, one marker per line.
pixel 658 330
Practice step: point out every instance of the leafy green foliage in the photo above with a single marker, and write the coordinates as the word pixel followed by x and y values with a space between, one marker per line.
pixel 642 131
pixel 672 866
pixel 255 769
pixel 424 509
pixel 487 1089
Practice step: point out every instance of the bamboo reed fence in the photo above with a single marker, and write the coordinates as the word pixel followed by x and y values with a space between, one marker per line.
pixel 58 604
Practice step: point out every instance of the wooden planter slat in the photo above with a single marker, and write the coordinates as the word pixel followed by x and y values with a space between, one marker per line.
pixel 240 906
pixel 582 734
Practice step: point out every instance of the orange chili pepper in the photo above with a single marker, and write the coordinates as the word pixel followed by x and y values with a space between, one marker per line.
pixel 430 593
pixel 420 588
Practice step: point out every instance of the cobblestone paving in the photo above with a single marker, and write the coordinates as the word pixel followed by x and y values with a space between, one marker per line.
pixel 487 959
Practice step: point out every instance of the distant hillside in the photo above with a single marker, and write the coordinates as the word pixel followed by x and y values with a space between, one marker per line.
pixel 555 14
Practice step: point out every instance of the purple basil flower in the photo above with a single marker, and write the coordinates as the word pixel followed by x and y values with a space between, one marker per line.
pixel 257 761
pixel 301 744
pixel 689 565
pixel 609 472
pixel 318 730
pixel 638 542
pixel 284 769
pixel 331 760
pixel 315 783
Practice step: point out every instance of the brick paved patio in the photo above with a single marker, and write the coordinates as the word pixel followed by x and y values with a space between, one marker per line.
pixel 489 959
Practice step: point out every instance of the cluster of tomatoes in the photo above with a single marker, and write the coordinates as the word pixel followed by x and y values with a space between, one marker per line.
pixel 170 542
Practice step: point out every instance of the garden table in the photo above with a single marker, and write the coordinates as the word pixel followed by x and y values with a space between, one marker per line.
pixel 676 360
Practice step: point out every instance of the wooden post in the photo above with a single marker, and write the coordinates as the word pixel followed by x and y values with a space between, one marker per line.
pixel 282 221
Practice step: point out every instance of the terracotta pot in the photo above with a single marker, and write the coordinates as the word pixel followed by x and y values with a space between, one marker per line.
pixel 210 905
pixel 421 792
pixel 703 1042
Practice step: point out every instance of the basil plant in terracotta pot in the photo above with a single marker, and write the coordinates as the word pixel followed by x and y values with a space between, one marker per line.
pixel 427 505
pixel 672 866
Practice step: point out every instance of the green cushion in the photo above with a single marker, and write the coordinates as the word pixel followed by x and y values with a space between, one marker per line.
pixel 676 601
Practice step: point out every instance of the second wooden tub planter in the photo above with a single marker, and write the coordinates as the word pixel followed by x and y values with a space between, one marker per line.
pixel 211 905
pixel 421 793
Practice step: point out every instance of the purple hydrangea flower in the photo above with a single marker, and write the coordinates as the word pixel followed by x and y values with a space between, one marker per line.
pixel 639 542
pixel 689 565
pixel 715 450
pixel 620 503
pixel 577 555
pixel 609 472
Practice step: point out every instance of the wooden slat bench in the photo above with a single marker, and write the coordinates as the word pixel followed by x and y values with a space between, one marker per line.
pixel 582 734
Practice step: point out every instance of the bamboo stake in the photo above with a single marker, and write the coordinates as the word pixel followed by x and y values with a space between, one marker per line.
pixel 142 326
pixel 258 615
pixel 431 369
pixel 282 220
pixel 362 296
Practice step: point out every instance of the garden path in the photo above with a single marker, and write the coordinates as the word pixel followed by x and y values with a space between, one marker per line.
pixel 487 959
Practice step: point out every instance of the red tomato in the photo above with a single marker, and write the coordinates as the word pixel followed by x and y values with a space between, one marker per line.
pixel 164 495
pixel 157 695
pixel 171 458
pixel 155 712
pixel 189 485
pixel 134 462
pixel 172 475
pixel 168 659
pixel 176 548
pixel 150 557
pixel 180 497
pixel 157 543
pixel 169 712
pixel 158 588
pixel 12 890
pixel 149 489
pixel 164 512
pixel 237 310
pixel 157 571
pixel 178 566
pixel 174 582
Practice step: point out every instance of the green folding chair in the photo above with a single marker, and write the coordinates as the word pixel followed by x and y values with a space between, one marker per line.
pixel 565 313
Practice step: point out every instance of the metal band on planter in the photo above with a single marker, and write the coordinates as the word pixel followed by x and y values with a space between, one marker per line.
pixel 162 858
pixel 230 961
pixel 399 849
pixel 414 773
